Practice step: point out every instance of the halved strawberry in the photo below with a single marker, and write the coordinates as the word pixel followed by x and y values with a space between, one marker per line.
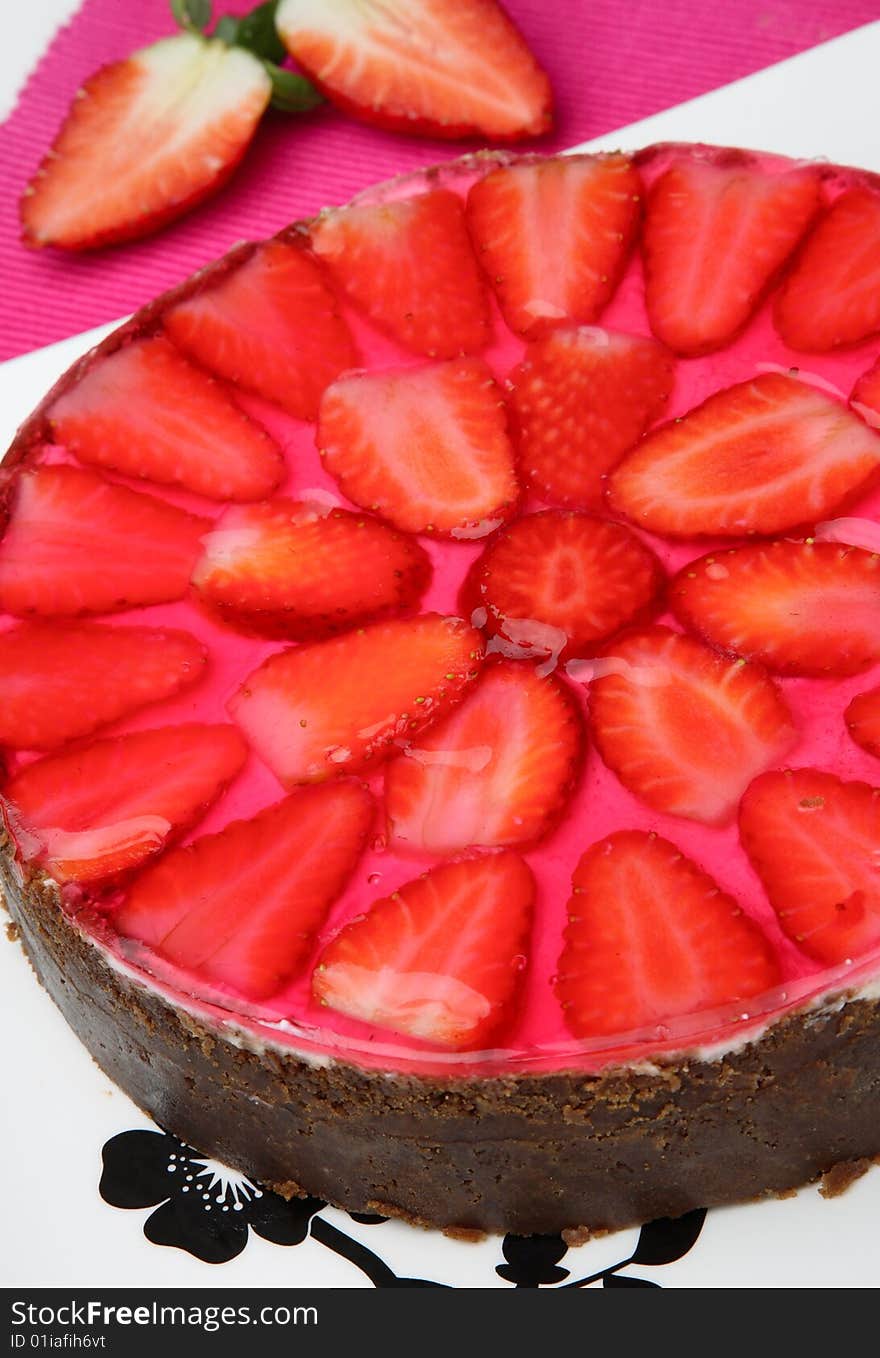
pixel 684 728
pixel 798 607
pixel 865 398
pixel 426 447
pixel 271 325
pixel 758 457
pixel 652 937
pixel 558 583
pixel 813 840
pixel 862 718
pixel 497 771
pixel 832 295
pixel 715 237
pixel 581 398
pixel 242 907
pixel 553 236
pixel 59 681
pixel 421 66
pixel 333 707
pixel 144 140
pixel 440 959
pixel 95 812
pixel 76 543
pixel 408 264
pixel 300 569
pixel 147 412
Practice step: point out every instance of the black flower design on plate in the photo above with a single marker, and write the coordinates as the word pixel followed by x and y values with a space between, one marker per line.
pixel 201 1206
pixel 209 1211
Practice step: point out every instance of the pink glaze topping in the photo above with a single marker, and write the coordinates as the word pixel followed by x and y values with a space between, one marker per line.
pixel 538 1039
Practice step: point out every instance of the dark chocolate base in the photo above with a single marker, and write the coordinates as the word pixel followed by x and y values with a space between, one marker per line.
pixel 526 1154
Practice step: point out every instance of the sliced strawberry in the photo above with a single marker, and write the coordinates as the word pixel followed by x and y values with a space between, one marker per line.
pixel 408 264
pixel 145 411
pixel 242 907
pixel 865 399
pixel 832 295
pixel 556 584
pixel 757 457
pixel 497 771
pixel 684 728
pixel 715 237
pixel 75 543
pixel 812 840
pixel 421 66
pixel 553 236
pixel 90 814
pixel 862 718
pixel 271 325
pixel 299 569
pixel 426 447
pixel 146 139
pixel 440 959
pixel 335 706
pixel 59 681
pixel 581 398
pixel 799 607
pixel 652 937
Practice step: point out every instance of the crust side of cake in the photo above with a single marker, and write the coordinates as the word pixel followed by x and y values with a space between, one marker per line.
pixel 527 1154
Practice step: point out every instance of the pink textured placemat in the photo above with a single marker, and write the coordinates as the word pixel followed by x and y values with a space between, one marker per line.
pixel 610 63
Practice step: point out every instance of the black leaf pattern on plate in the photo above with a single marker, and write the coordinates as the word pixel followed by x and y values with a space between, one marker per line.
pixel 532 1260
pixel 665 1240
pixel 624 1280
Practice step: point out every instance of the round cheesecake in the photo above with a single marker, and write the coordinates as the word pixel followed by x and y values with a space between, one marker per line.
pixel 440 693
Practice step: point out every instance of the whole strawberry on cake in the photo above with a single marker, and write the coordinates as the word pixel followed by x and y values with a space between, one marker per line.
pixel 440 692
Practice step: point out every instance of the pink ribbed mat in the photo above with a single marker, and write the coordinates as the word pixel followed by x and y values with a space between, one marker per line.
pixel 610 63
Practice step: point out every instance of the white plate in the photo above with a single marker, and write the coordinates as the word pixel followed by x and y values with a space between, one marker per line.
pixel 58 1110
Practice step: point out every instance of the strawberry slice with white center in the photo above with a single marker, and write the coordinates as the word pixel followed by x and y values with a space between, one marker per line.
pixel 684 728
pixel 93 813
pixel 553 236
pixel 271 325
pixel 758 457
pixel 333 707
pixel 421 66
pixel 497 771
pixel 427 448
pixel 145 140
pixel 862 718
pixel 807 608
pixel 60 681
pixel 832 295
pixel 715 237
pixel 651 937
pixel 75 543
pixel 813 841
pixel 440 959
pixel 558 583
pixel 301 569
pixel 146 411
pixel 242 907
pixel 865 399
pixel 409 266
pixel 580 398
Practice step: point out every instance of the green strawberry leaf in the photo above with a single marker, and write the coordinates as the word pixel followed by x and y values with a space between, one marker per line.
pixel 257 32
pixel 291 93
pixel 191 15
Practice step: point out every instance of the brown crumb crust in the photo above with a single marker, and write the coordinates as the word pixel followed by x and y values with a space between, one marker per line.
pixel 583 1154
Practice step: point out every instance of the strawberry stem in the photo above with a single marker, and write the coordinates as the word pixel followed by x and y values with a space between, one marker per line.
pixel 256 33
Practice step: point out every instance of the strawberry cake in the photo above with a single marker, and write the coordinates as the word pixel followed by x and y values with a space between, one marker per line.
pixel 440 693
